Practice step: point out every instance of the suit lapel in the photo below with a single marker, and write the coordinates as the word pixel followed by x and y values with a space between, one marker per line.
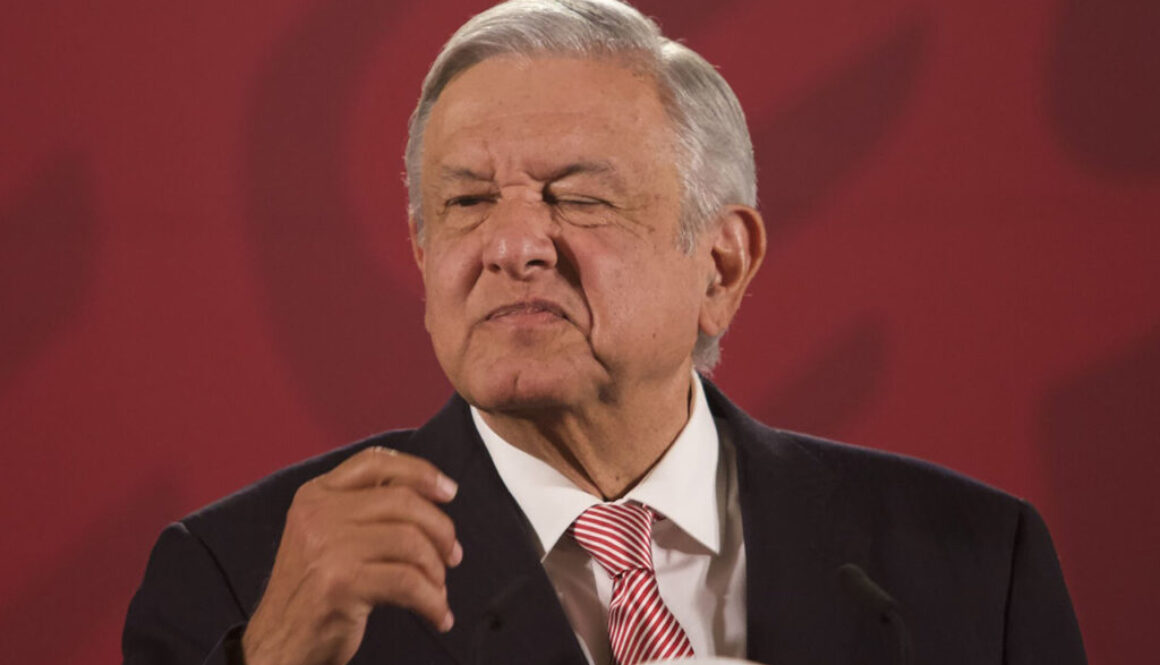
pixel 506 610
pixel 796 612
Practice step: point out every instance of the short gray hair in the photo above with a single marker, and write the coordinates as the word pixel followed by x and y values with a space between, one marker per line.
pixel 709 126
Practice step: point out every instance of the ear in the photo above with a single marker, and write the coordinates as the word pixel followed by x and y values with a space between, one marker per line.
pixel 416 243
pixel 736 247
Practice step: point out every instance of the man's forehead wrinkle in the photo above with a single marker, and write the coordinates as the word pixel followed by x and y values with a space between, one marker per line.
pixel 537 170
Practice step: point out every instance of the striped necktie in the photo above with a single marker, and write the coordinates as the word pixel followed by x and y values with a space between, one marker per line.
pixel 640 627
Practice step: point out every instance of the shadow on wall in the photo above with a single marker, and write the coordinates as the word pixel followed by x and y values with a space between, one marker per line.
pixel 1101 446
pixel 1104 84
pixel 805 153
pixel 811 148
pixel 345 330
pixel 1100 428
pixel 47 246
pixel 837 386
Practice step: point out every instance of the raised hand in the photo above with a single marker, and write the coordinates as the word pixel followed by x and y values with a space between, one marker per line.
pixel 367 533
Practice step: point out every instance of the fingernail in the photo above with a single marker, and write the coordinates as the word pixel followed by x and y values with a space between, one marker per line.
pixel 447 623
pixel 446 487
pixel 456 555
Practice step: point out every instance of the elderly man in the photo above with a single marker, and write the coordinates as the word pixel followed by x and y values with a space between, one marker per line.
pixel 582 212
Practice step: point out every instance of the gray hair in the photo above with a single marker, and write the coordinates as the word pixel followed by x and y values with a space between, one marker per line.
pixel 711 136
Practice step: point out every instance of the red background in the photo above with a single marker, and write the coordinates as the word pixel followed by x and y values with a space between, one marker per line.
pixel 204 273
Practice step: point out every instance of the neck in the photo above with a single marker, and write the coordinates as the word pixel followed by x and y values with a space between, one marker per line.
pixel 606 448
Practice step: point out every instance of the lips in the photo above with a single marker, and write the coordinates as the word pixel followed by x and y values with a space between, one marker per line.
pixel 527 307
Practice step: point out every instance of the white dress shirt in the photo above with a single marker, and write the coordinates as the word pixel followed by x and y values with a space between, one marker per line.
pixel 698 550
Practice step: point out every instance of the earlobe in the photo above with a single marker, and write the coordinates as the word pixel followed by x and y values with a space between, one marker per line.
pixel 737 250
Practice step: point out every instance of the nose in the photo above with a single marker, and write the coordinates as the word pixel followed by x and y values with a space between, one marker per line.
pixel 520 242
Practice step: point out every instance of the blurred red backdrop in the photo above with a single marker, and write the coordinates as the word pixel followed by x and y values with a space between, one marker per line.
pixel 205 273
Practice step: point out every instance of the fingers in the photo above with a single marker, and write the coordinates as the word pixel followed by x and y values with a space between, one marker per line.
pixel 403 504
pixel 383 485
pixel 381 564
pixel 393 542
pixel 382 466
pixel 405 586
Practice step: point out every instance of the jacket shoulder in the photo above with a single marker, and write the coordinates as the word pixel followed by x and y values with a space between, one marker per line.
pixel 275 491
pixel 870 497
pixel 863 470
pixel 853 470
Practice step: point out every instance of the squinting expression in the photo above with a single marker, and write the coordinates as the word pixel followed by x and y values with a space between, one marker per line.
pixel 550 199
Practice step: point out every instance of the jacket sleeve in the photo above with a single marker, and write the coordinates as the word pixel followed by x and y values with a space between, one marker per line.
pixel 185 612
pixel 1041 626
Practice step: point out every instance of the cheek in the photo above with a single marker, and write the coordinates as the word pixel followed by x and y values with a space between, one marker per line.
pixel 605 278
pixel 637 302
pixel 449 272
pixel 452 262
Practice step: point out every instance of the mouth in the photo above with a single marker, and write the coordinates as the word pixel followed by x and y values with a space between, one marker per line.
pixel 527 308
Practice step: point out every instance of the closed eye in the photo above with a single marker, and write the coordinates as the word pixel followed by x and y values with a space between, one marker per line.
pixel 468 201
pixel 573 200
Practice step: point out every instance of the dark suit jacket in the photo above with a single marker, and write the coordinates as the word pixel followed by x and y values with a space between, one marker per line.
pixel 972 569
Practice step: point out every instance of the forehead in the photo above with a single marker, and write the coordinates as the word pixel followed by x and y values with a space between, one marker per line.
pixel 528 113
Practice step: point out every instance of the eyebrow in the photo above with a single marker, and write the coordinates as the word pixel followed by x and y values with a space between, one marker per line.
pixel 584 167
pixel 605 172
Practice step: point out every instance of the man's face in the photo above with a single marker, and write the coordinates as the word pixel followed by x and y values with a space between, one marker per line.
pixel 551 198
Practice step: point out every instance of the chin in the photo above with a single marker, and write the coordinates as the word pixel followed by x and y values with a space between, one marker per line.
pixel 526 385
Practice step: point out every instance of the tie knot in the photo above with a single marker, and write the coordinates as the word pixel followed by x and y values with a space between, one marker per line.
pixel 618 536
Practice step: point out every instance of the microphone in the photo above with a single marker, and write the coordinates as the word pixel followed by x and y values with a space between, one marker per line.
pixel 873 598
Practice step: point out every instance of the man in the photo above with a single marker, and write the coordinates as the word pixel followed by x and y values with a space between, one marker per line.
pixel 582 212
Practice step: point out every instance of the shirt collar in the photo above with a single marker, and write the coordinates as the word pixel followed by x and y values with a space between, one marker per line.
pixel 676 487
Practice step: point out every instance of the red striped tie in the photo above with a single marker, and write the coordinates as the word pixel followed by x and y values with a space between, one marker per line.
pixel 640 627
